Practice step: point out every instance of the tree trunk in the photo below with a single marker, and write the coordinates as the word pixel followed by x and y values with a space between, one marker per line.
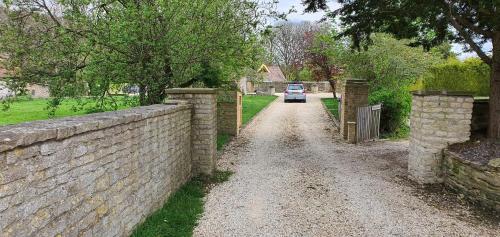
pixel 494 123
pixel 334 88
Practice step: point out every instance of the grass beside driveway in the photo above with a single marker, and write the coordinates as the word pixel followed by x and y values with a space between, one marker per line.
pixel 332 105
pixel 252 105
pixel 180 214
pixel 26 110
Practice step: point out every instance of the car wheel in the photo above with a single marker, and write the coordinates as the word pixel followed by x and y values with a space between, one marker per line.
pixel 304 101
pixel 286 101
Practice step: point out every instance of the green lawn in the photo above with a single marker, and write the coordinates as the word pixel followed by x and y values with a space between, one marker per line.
pixel 251 106
pixel 25 110
pixel 179 215
pixel 332 105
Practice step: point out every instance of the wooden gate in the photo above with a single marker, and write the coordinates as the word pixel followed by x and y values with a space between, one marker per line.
pixel 368 123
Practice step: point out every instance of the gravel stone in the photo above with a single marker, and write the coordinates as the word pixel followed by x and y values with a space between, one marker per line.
pixel 295 176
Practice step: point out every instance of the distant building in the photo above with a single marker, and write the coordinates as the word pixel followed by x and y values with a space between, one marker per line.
pixel 272 73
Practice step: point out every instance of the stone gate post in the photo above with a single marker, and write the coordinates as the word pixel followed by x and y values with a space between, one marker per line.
pixel 437 119
pixel 203 127
pixel 354 95
pixel 229 112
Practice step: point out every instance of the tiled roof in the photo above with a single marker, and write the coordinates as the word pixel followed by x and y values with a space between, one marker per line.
pixel 272 73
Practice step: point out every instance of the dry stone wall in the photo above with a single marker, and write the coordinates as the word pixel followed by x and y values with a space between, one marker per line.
pixel 479 183
pixel 436 121
pixel 95 175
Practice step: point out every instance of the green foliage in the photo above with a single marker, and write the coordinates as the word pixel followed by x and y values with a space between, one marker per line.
pixel 305 75
pixel 471 75
pixel 222 139
pixel 396 107
pixel 178 216
pixel 253 105
pixel 390 63
pixel 87 47
pixel 391 67
pixel 332 105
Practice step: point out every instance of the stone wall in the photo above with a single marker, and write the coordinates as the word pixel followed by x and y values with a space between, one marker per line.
pixel 479 183
pixel 436 121
pixel 354 95
pixel 94 175
pixel 229 112
pixel 280 87
pixel 480 117
pixel 203 128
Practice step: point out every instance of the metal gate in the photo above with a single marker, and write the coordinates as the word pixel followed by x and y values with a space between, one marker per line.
pixel 368 123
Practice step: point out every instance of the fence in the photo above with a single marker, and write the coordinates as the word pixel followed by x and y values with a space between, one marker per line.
pixel 368 123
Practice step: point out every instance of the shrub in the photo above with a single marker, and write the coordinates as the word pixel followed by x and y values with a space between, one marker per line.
pixel 396 107
pixel 471 75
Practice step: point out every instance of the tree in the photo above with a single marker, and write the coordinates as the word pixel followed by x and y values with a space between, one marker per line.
pixel 429 23
pixel 153 44
pixel 324 57
pixel 286 44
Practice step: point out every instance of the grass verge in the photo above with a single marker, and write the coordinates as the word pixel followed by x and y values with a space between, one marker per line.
pixel 222 139
pixel 253 104
pixel 180 214
pixel 26 110
pixel 332 105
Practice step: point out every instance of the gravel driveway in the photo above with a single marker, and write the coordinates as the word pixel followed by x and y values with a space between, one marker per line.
pixel 296 177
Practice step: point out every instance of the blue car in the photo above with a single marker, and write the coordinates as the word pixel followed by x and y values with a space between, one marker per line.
pixel 295 92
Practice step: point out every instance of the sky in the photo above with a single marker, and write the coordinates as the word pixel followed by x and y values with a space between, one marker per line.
pixel 285 5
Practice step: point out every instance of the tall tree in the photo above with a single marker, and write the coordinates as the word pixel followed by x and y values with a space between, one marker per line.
pixel 154 44
pixel 324 56
pixel 286 43
pixel 429 23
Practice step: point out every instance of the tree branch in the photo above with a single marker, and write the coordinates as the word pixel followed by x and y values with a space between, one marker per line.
pixel 468 38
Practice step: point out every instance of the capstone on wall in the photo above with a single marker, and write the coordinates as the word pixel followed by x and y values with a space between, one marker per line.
pixel 95 175
pixel 436 121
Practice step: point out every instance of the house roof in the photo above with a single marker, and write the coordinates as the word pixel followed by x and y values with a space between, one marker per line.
pixel 272 73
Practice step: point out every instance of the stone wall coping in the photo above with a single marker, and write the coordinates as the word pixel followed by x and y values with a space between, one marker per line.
pixel 445 93
pixel 481 99
pixel 356 81
pixel 457 157
pixel 191 91
pixel 25 134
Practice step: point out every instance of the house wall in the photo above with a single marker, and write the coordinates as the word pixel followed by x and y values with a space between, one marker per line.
pixel 38 91
pixel 94 175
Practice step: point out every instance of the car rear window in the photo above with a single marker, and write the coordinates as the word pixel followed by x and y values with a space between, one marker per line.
pixel 295 87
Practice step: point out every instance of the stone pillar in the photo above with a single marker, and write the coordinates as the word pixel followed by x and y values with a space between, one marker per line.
pixel 203 126
pixel 314 88
pixel 354 95
pixel 351 132
pixel 437 120
pixel 229 112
